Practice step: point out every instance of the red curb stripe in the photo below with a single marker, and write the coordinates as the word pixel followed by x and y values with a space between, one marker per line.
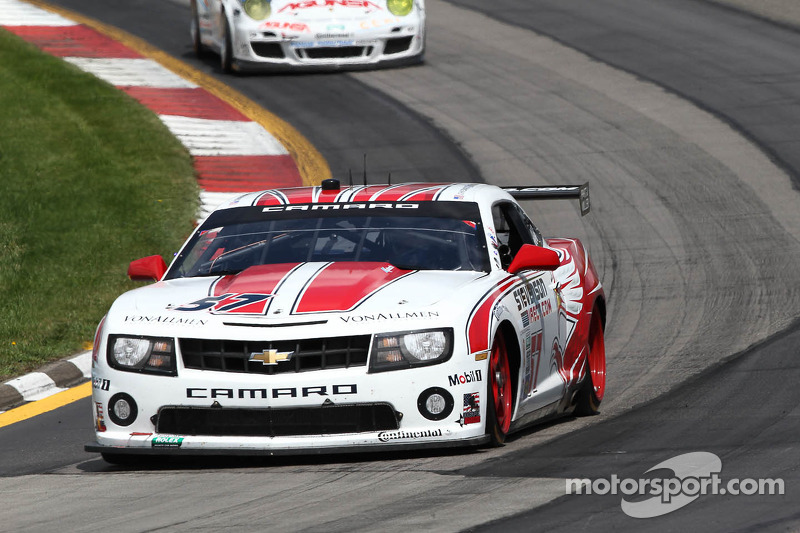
pixel 246 173
pixel 73 41
pixel 193 103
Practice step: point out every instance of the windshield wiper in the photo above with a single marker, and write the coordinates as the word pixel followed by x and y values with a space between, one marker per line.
pixel 218 273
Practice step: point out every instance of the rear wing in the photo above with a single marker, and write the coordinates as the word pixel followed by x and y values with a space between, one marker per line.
pixel 553 192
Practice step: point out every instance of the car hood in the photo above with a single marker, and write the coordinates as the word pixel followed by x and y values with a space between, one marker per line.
pixel 297 293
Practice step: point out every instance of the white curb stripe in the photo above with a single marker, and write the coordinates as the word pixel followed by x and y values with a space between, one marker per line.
pixel 222 137
pixel 14 13
pixel 84 363
pixel 34 386
pixel 211 200
pixel 131 72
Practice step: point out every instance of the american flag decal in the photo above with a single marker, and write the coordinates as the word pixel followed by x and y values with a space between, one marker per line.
pixel 525 320
pixel 472 408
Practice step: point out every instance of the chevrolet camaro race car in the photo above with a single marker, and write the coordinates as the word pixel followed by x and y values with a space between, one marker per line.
pixel 285 34
pixel 331 319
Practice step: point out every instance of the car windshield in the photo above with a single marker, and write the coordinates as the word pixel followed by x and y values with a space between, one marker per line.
pixel 432 236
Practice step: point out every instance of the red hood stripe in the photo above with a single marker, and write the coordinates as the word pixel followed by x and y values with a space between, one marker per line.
pixel 260 279
pixel 342 286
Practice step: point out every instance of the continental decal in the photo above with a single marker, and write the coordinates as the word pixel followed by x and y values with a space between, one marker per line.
pixel 386 436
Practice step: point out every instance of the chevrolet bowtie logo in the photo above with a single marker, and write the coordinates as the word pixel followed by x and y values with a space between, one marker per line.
pixel 270 357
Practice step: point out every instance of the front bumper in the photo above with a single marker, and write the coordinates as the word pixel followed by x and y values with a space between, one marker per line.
pixel 254 48
pixel 328 411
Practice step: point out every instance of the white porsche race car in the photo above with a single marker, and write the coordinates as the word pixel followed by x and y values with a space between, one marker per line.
pixel 332 319
pixel 285 34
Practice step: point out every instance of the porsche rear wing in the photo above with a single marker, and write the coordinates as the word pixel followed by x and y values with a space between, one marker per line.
pixel 553 192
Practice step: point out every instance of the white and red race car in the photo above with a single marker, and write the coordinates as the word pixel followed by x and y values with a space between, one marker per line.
pixel 335 319
pixel 290 34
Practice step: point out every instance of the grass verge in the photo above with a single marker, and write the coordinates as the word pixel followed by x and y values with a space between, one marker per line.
pixel 89 180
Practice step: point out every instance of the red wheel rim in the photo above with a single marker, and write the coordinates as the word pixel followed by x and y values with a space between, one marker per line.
pixel 597 357
pixel 501 384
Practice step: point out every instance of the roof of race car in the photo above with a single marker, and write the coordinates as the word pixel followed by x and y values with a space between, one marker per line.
pixel 402 192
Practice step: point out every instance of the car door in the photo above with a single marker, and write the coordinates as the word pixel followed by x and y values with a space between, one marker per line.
pixel 536 302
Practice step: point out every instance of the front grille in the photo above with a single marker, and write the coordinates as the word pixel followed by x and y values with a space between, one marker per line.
pixel 271 50
pixel 338 52
pixel 306 354
pixel 277 422
pixel 395 46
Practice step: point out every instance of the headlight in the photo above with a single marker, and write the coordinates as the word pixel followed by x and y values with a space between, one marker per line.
pixel 410 348
pixel 257 9
pixel 400 8
pixel 142 354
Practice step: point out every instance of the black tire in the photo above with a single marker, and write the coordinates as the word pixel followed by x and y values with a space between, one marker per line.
pixel 226 52
pixel 499 396
pixel 194 30
pixel 594 384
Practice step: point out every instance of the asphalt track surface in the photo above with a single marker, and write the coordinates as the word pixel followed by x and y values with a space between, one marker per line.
pixel 695 233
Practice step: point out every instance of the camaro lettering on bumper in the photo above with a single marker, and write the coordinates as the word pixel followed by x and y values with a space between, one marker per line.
pixel 252 394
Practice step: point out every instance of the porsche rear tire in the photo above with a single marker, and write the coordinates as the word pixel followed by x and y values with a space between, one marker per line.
pixel 498 393
pixel 594 384
pixel 226 51
pixel 197 43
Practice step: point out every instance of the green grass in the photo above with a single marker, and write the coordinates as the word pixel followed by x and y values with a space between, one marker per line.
pixel 89 180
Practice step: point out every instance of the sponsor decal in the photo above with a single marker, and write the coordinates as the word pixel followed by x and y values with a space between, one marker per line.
pixel 499 309
pixel 290 26
pixel 166 442
pixel 229 303
pixel 530 293
pixel 389 316
pixel 270 357
pixel 533 347
pixel 471 414
pixel 467 377
pixel 325 207
pixel 333 36
pixel 323 44
pixel 183 321
pixel 263 393
pixel 100 423
pixel 386 436
pixel 101 384
pixel 306 4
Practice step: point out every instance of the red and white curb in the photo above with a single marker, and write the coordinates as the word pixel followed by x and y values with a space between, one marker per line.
pixel 49 380
pixel 231 153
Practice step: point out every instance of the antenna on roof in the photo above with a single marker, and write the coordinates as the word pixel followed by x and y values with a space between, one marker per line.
pixel 351 177
pixel 365 170
pixel 390 178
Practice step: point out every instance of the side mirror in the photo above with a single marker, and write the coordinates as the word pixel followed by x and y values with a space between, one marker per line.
pixel 149 268
pixel 534 258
